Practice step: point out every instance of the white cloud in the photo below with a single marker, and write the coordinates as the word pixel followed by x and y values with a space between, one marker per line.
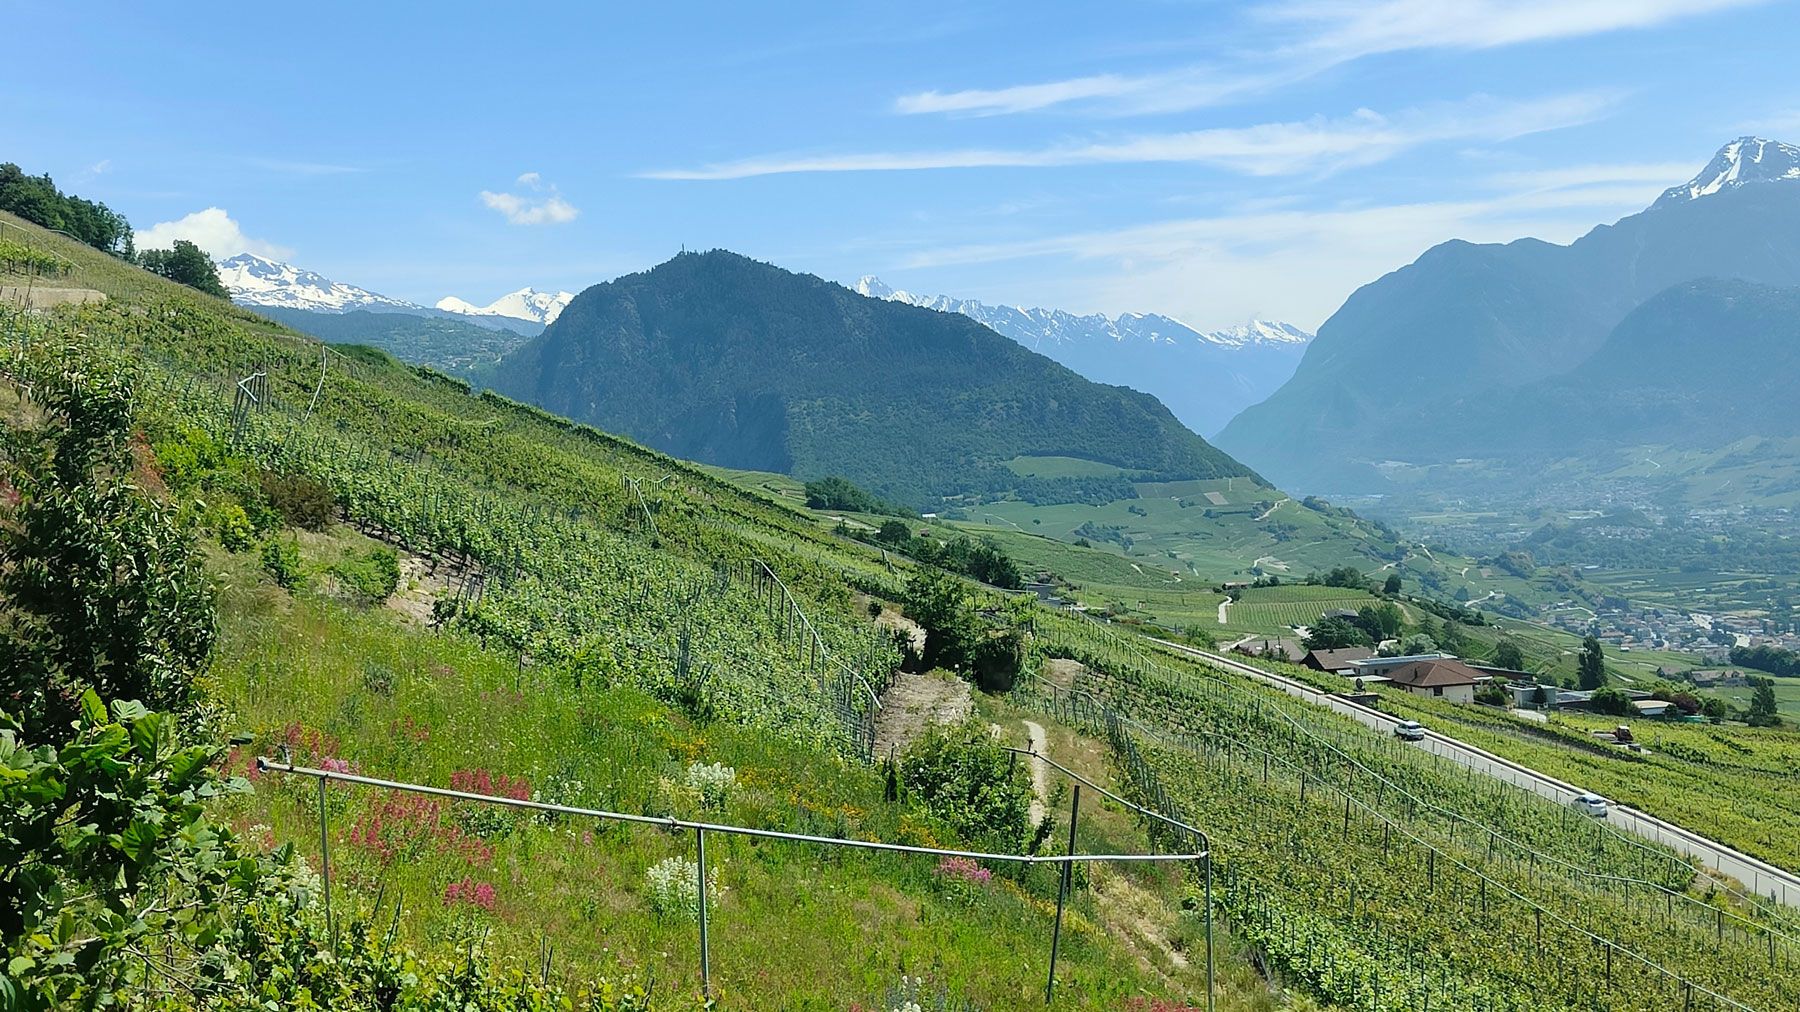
pixel 100 166
pixel 214 231
pixel 542 206
pixel 1351 28
pixel 1297 264
pixel 1271 149
pixel 1312 36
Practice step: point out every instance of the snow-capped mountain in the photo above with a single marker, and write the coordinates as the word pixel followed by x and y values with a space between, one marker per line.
pixel 1746 161
pixel 1204 377
pixel 257 281
pixel 525 304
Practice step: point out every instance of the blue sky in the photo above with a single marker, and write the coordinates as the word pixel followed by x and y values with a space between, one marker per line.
pixel 1212 161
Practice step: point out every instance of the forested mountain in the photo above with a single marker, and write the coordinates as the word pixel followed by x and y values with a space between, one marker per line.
pixel 1205 378
pixel 1412 366
pixel 720 358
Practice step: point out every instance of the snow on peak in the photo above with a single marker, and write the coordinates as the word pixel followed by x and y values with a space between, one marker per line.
pixel 873 287
pixel 1743 162
pixel 259 281
pixel 1259 332
pixel 1034 327
pixel 524 304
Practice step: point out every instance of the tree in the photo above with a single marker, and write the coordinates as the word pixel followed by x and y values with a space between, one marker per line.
pixel 895 533
pixel 1539 697
pixel 1392 586
pixel 1381 621
pixel 1591 670
pixel 1335 633
pixel 1762 712
pixel 1612 702
pixel 1508 655
pixel 936 600
pixel 100 587
pixel 185 263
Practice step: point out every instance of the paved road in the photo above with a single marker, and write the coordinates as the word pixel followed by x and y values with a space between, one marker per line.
pixel 1757 876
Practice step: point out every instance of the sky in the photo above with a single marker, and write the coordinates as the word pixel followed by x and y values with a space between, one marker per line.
pixel 1210 161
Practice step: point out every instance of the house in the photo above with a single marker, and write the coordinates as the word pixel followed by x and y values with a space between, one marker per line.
pixel 1654 707
pixel 1288 650
pixel 1347 614
pixel 1337 662
pixel 1718 679
pixel 1444 678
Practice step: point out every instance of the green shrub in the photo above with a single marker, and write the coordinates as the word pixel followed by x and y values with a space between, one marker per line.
pixel 971 784
pixel 373 577
pixel 281 560
pixel 301 501
pixel 232 526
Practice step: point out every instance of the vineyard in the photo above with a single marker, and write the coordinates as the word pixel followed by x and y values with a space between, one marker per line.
pixel 614 628
pixel 1391 880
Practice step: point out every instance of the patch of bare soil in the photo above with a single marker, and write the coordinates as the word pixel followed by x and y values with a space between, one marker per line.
pixel 891 619
pixel 418 590
pixel 916 703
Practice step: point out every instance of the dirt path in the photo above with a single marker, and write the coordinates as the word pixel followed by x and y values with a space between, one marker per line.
pixel 1224 606
pixel 914 704
pixel 1040 773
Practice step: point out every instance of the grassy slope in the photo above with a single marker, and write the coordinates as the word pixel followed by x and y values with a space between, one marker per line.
pixel 796 929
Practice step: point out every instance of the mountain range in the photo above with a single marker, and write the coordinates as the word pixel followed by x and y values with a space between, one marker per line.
pixel 263 283
pixel 1517 354
pixel 525 304
pixel 1205 377
pixel 720 358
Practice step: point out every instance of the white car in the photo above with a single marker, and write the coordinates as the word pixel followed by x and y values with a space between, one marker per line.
pixel 1590 804
pixel 1409 730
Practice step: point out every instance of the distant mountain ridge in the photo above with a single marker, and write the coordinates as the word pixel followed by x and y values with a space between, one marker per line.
pixel 720 358
pixel 1441 360
pixel 262 283
pixel 259 281
pixel 1205 378
pixel 525 304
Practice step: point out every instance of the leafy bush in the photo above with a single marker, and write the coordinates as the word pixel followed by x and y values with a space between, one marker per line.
pixel 301 501
pixel 281 560
pixel 99 585
pixel 971 784
pixel 231 525
pixel 373 577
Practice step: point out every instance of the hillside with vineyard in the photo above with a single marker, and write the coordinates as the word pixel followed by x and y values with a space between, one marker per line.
pixel 323 558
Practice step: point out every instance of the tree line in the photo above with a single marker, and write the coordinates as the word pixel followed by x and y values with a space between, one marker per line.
pixel 38 200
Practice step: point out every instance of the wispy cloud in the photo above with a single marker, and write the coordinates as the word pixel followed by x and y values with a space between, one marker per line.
pixel 1226 267
pixel 541 205
pixel 1309 37
pixel 1272 149
pixel 214 231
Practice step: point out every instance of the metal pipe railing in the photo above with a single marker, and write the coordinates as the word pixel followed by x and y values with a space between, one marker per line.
pixel 1066 861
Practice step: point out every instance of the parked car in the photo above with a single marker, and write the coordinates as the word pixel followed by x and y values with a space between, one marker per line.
pixel 1590 804
pixel 1409 730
